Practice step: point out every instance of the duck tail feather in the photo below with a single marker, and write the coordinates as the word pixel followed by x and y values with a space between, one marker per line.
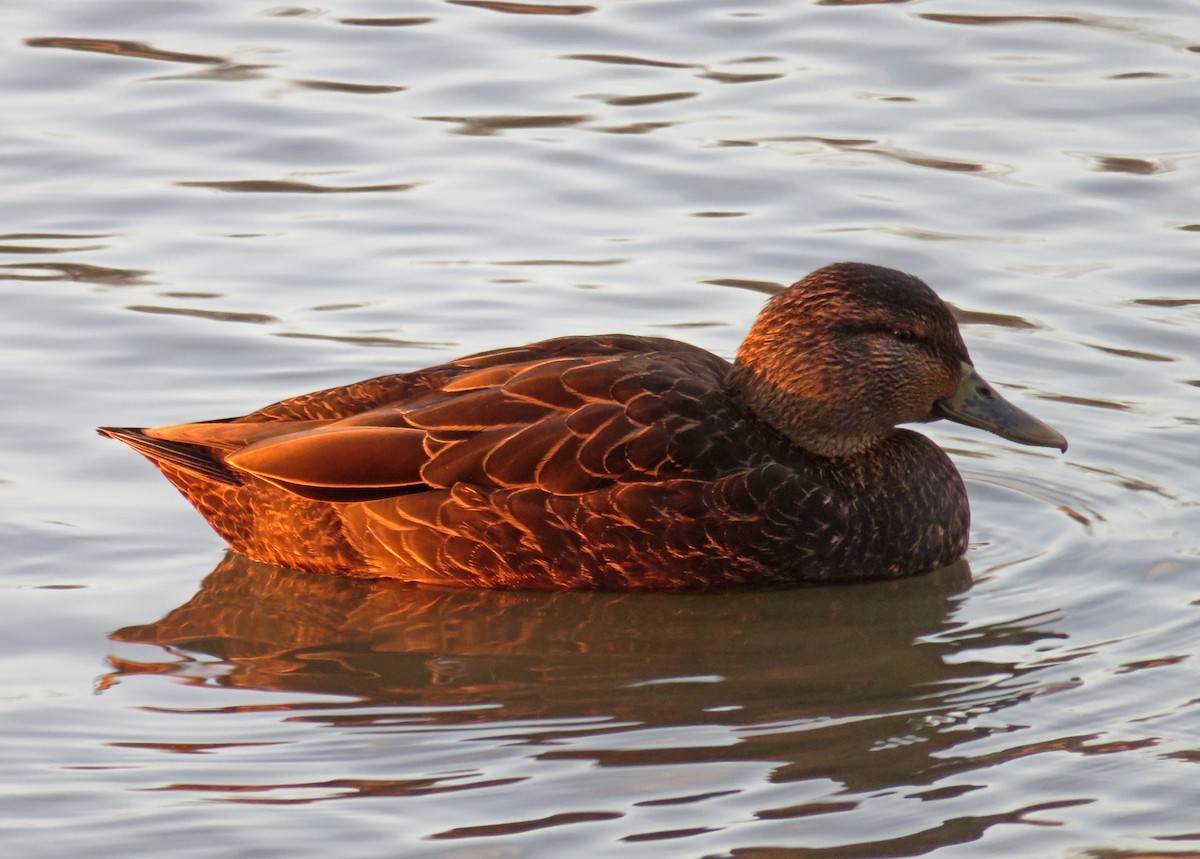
pixel 194 458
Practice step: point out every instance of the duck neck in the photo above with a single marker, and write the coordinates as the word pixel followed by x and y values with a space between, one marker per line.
pixel 803 417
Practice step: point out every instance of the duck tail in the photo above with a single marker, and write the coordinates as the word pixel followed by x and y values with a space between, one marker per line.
pixel 189 457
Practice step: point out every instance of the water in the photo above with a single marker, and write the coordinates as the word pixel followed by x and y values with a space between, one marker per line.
pixel 209 206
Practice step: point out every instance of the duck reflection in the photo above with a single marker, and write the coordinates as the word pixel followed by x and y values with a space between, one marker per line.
pixel 814 677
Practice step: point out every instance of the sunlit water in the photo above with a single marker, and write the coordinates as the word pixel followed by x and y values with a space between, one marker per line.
pixel 209 206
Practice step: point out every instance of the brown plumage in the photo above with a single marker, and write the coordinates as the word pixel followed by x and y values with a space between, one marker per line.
pixel 620 461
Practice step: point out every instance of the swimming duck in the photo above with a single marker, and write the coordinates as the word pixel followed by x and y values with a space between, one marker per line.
pixel 621 461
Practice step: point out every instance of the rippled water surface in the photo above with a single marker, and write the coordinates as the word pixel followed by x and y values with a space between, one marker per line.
pixel 208 206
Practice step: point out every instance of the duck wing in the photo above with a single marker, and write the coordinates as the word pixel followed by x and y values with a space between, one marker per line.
pixel 541 417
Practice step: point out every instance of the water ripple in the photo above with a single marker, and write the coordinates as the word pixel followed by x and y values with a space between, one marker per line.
pixel 122 48
pixel 276 186
pixel 212 207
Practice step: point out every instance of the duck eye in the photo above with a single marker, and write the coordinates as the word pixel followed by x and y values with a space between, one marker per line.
pixel 905 335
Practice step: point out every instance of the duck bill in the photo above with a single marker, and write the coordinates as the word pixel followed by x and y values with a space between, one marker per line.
pixel 978 404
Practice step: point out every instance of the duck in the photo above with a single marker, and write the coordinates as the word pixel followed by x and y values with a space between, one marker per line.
pixel 621 461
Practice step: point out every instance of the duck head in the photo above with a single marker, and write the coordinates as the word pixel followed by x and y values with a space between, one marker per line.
pixel 838 359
